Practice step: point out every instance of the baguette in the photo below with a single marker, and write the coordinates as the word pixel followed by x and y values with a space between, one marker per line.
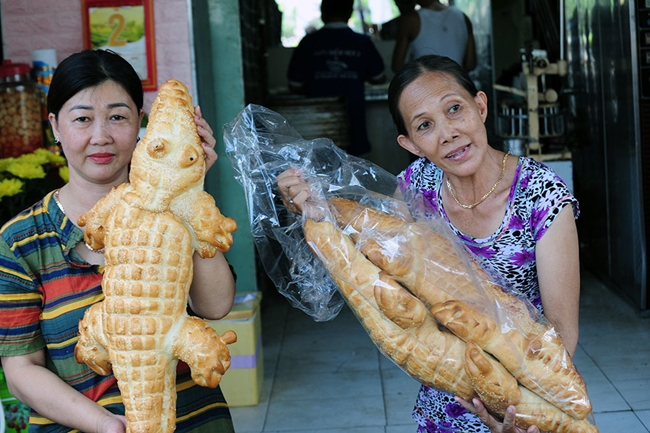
pixel 428 263
pixel 424 261
pixel 437 272
pixel 397 322
pixel 437 358
pixel 498 389
pixel 540 364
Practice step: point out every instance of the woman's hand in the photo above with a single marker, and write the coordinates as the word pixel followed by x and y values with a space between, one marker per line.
pixel 112 424
pixel 293 189
pixel 32 383
pixel 495 426
pixel 208 140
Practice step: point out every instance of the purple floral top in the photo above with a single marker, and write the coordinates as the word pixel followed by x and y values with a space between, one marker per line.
pixel 537 196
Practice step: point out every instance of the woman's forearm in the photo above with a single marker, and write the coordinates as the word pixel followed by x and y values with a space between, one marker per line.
pixel 51 397
pixel 558 267
pixel 213 287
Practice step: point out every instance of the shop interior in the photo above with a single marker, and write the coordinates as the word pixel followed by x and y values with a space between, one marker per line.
pixel 564 88
pixel 538 64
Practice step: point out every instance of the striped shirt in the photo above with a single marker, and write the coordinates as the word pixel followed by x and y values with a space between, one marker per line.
pixel 45 288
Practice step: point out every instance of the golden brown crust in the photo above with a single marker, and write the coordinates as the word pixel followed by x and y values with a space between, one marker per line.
pixel 498 389
pixel 396 321
pixel 440 274
pixel 150 228
pixel 541 364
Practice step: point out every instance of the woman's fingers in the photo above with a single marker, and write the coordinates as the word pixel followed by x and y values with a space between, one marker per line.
pixel 210 155
pixel 482 413
pixel 208 142
pixel 293 189
pixel 204 129
pixel 495 426
pixel 289 176
pixel 509 421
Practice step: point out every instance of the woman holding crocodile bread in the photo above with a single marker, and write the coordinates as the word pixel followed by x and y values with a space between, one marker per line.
pixel 49 276
pixel 513 213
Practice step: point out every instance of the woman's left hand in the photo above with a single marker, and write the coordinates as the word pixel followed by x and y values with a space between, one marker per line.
pixel 208 140
pixel 495 426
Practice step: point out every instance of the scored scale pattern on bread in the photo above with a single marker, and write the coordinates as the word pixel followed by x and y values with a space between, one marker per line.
pixel 445 281
pixel 150 228
pixel 540 363
pixel 499 389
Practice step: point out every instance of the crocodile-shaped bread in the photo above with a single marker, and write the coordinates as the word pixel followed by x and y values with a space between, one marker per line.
pixel 150 228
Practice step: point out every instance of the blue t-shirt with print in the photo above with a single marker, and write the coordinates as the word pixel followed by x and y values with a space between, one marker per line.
pixel 336 61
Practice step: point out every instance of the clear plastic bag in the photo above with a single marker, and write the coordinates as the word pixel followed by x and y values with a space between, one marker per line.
pixel 261 145
pixel 407 277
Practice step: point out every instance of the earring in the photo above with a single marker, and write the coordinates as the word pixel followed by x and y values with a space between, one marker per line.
pixel 57 141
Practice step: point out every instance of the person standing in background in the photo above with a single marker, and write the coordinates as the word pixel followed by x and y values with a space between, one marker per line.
pixel 388 30
pixel 336 61
pixel 435 29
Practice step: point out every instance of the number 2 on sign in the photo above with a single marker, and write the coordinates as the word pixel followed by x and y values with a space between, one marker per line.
pixel 116 20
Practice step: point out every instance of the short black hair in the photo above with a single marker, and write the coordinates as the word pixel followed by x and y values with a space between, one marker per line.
pixel 90 68
pixel 412 70
pixel 337 8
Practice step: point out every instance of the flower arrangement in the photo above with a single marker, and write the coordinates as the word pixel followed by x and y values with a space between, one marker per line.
pixel 26 179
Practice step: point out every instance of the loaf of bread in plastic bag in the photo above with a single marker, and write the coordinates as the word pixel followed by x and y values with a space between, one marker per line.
pixel 434 269
pixel 397 322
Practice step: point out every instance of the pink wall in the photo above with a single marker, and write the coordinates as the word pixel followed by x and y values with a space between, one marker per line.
pixel 34 24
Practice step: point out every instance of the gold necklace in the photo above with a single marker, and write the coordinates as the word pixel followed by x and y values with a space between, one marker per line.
pixel 58 203
pixel 487 194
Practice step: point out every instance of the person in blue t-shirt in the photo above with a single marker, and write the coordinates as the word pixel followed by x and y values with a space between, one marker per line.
pixel 337 61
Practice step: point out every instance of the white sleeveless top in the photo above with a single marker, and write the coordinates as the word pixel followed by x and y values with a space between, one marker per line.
pixel 441 32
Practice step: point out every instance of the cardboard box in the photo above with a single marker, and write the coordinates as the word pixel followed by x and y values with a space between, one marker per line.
pixel 242 383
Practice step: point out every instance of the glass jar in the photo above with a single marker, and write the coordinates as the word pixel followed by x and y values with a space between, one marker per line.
pixel 20 111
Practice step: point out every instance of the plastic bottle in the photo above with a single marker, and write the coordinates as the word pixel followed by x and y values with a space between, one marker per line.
pixel 20 111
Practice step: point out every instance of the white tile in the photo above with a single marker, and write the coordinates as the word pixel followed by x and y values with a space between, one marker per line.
pixel 581 357
pixel 400 391
pixel 396 381
pixel 309 385
pixel 644 416
pixel 329 361
pixel 305 415
pixel 249 419
pixel 399 409
pixel 267 385
pixel 618 422
pixel 402 428
pixel 636 392
pixel 302 336
pixel 605 398
pixel 626 366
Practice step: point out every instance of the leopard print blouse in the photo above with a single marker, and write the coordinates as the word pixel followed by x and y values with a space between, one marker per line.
pixel 537 196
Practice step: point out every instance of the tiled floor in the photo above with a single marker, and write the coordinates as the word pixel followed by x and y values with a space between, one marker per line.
pixel 327 377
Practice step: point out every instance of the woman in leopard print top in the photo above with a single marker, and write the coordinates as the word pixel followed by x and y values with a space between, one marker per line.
pixel 514 214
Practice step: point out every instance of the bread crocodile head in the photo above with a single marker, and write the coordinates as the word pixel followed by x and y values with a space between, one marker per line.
pixel 170 156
